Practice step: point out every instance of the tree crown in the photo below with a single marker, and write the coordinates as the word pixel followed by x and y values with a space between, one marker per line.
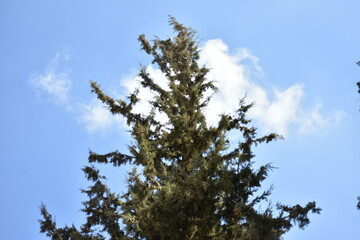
pixel 193 184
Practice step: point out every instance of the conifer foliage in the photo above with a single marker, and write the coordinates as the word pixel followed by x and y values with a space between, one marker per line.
pixel 191 183
pixel 358 83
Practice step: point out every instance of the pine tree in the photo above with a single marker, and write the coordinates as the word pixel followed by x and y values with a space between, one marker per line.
pixel 192 183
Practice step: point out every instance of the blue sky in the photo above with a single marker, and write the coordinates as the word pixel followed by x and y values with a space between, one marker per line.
pixel 294 59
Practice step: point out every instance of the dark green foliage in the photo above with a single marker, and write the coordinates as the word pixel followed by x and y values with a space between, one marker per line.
pixel 192 184
pixel 358 83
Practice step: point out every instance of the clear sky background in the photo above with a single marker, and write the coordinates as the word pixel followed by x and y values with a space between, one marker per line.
pixel 294 59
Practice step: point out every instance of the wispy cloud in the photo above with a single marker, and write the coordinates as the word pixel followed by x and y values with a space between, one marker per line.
pixel 54 83
pixel 274 110
pixel 313 122
pixel 95 117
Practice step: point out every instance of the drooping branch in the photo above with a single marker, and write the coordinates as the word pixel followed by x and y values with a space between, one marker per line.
pixel 115 158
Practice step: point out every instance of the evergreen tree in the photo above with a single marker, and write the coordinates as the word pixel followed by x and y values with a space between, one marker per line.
pixel 192 183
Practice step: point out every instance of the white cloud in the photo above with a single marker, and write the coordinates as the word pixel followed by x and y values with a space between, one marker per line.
pixel 233 73
pixel 274 110
pixel 314 122
pixel 54 82
pixel 278 114
pixel 234 82
pixel 96 117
